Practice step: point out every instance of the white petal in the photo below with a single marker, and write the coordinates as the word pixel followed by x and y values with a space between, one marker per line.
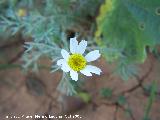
pixel 60 62
pixel 65 54
pixel 65 67
pixel 93 55
pixel 93 69
pixel 86 72
pixel 74 75
pixel 82 47
pixel 73 45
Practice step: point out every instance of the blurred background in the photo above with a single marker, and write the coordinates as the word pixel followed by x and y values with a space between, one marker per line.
pixel 32 33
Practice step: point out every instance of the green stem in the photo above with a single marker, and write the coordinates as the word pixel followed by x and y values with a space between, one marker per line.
pixel 150 100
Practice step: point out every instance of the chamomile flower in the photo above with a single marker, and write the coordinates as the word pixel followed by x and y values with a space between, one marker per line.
pixel 75 62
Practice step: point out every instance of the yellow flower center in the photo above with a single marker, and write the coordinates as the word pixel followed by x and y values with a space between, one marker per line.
pixel 77 62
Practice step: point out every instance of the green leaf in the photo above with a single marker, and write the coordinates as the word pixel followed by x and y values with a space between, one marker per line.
pixel 128 26
pixel 125 69
pixel 148 17
pixel 106 92
pixel 65 86
pixel 84 96
pixel 121 100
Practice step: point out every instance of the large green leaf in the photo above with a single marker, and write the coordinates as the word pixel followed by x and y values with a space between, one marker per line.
pixel 129 25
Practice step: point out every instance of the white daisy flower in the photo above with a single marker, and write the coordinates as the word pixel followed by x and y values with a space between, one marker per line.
pixel 76 62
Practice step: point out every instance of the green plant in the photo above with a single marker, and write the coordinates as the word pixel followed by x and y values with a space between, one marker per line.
pixel 106 92
pixel 128 27
pixel 123 29
pixel 49 24
pixel 150 100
